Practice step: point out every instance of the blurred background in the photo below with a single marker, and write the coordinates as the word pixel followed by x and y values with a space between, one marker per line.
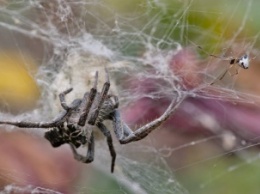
pixel 152 49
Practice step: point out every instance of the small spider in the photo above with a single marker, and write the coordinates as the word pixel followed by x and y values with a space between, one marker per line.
pixel 242 62
pixel 72 125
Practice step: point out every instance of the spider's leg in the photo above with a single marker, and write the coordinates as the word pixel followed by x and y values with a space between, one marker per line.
pixel 54 123
pixel 62 99
pixel 149 127
pixel 120 128
pixel 27 124
pixel 221 76
pixel 237 68
pixel 211 55
pixel 90 153
pixel 112 151
pixel 87 102
pixel 103 95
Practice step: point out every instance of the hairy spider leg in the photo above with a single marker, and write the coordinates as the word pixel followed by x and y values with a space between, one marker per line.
pixel 149 127
pixel 112 151
pixel 87 102
pixel 59 119
pixel 27 124
pixel 120 128
pixel 62 99
pixel 90 153
pixel 103 95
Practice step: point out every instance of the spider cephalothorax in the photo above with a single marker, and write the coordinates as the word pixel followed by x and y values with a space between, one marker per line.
pixel 70 130
pixel 75 121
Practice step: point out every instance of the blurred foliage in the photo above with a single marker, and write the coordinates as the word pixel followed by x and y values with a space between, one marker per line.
pixel 18 89
pixel 30 160
pixel 226 175
pixel 102 183
pixel 208 23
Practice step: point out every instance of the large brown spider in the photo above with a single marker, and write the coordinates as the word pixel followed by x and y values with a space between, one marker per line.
pixel 72 125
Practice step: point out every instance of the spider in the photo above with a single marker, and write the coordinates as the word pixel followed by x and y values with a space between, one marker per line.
pixel 72 125
pixel 242 62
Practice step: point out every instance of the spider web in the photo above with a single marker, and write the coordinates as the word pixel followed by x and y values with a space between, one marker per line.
pixel 147 47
